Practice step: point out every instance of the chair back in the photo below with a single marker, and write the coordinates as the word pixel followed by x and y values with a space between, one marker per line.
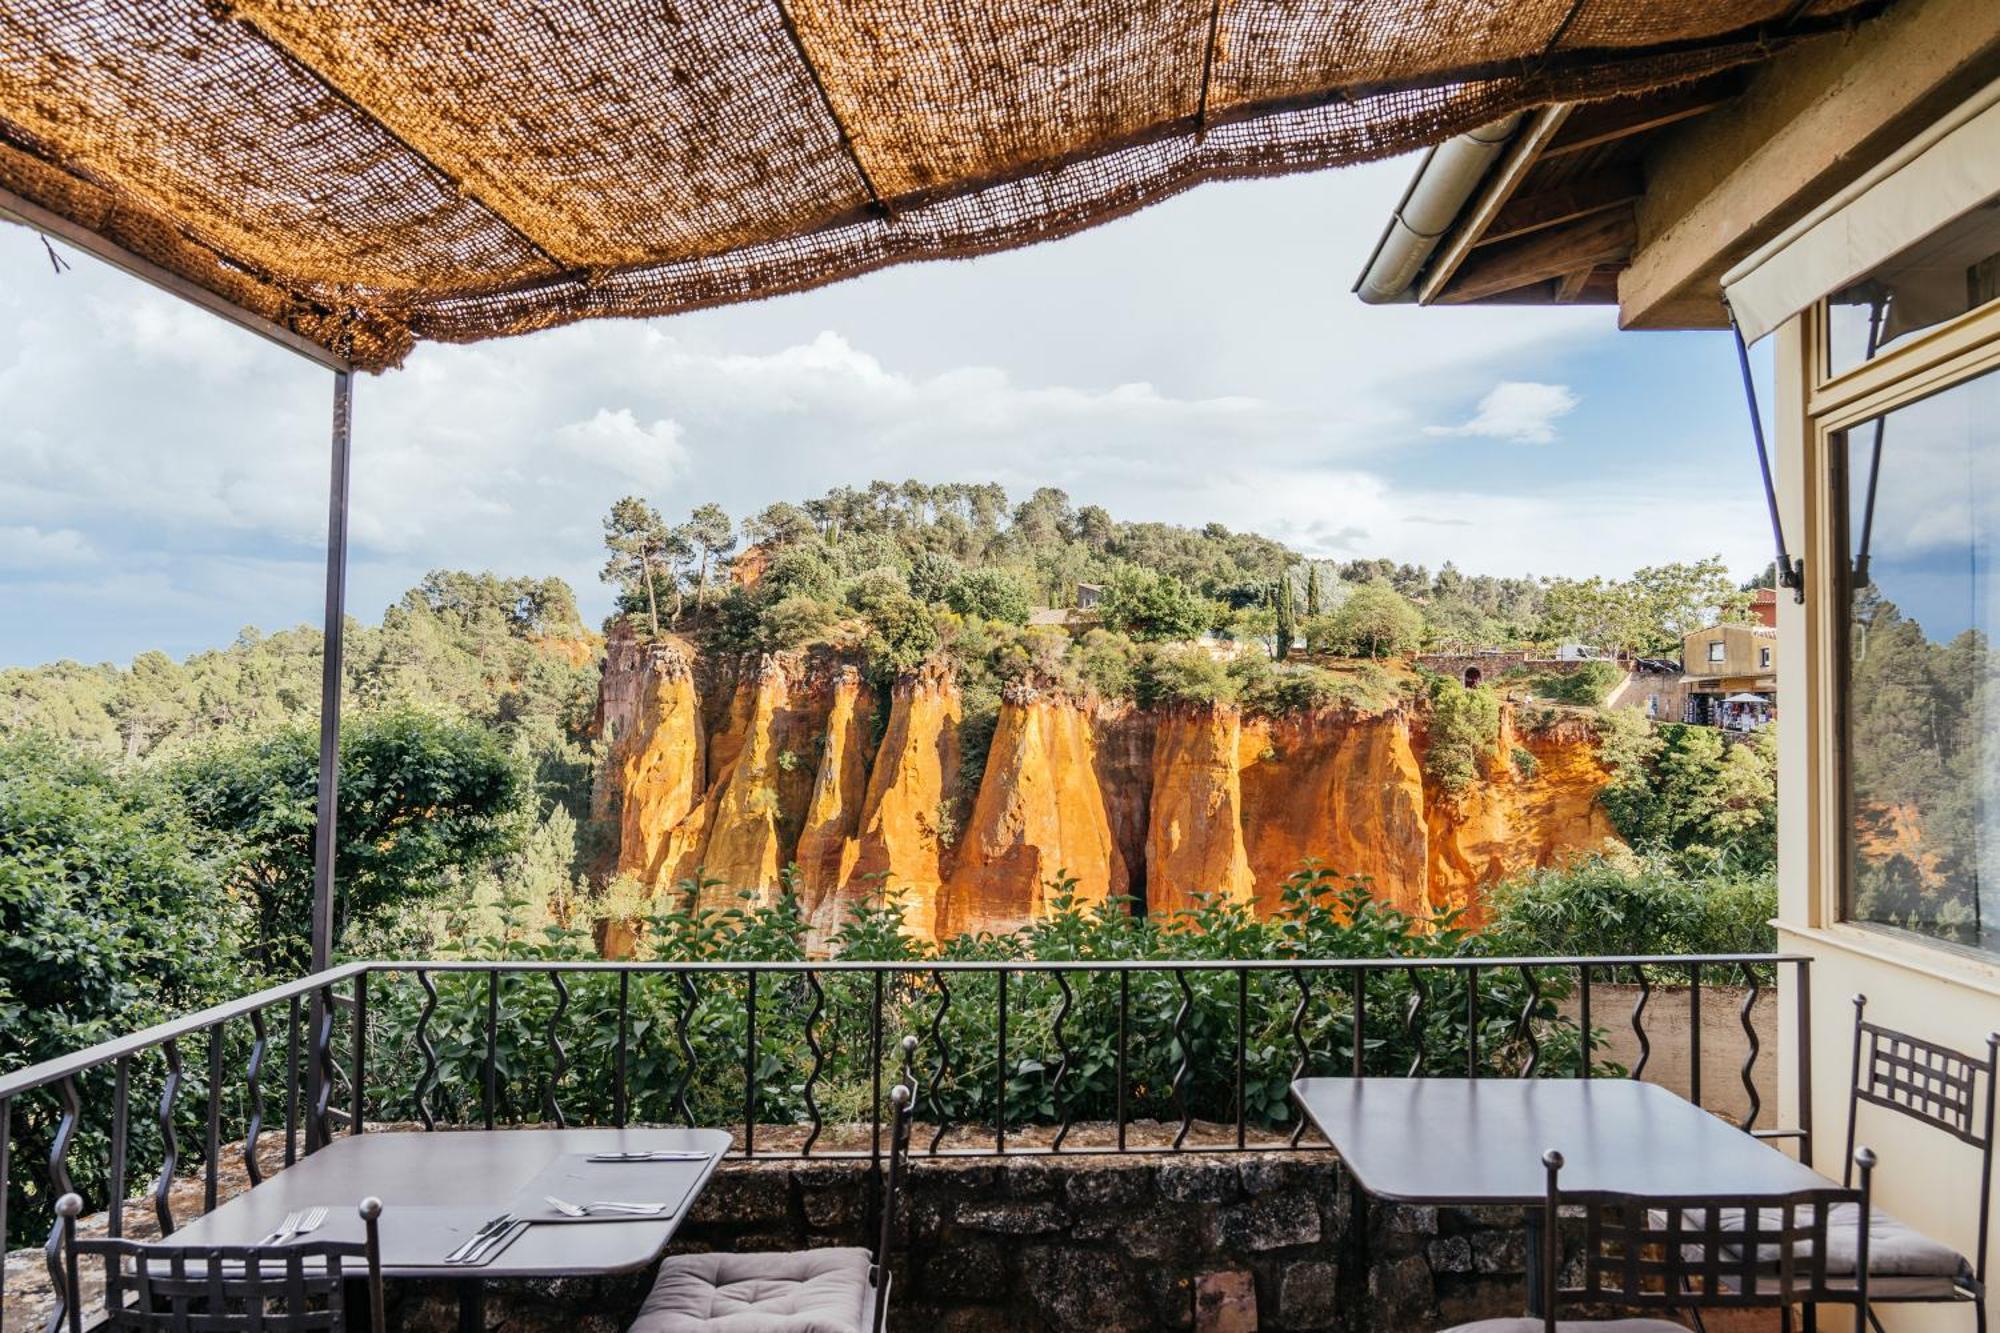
pixel 1933 1085
pixel 161 1287
pixel 1671 1252
pixel 902 1097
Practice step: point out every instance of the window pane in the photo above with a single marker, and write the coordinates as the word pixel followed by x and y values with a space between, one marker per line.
pixel 1923 701
pixel 1942 276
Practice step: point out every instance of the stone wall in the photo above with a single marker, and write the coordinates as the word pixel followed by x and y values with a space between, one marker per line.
pixel 1210 1241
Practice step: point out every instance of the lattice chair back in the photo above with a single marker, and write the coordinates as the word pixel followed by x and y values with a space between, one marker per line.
pixel 295 1287
pixel 1933 1085
pixel 1669 1252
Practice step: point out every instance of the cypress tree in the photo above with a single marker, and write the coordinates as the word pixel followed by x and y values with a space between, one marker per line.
pixel 1287 616
pixel 1312 590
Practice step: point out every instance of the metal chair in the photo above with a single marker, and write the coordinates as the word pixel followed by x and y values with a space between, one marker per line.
pixel 833 1288
pixel 1936 1086
pixel 1667 1253
pixel 160 1287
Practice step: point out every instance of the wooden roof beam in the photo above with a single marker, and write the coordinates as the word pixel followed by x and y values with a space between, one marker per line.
pixel 1566 203
pixel 1605 238
pixel 1620 118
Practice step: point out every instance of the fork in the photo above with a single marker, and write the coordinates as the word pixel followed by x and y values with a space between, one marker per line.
pixel 285 1229
pixel 568 1209
pixel 314 1219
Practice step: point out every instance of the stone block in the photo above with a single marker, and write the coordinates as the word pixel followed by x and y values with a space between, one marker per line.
pixel 1012 1219
pixel 829 1208
pixel 1408 1219
pixel 1308 1295
pixel 1226 1302
pixel 1032 1180
pixel 744 1198
pixel 1271 1222
pixel 1108 1187
pixel 1401 1292
pixel 1159 1234
pixel 1450 1254
pixel 1198 1181
pixel 967 1270
pixel 1266 1174
pixel 1500 1251
pixel 1171 1291
pixel 1081 1291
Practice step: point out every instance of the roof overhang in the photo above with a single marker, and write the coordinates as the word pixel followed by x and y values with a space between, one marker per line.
pixel 368 174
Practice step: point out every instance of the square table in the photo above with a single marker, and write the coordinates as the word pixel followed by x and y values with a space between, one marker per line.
pixel 1480 1141
pixel 438 1188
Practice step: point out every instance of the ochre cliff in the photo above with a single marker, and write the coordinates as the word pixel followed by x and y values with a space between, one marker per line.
pixel 1040 814
pixel 735 771
pixel 1520 814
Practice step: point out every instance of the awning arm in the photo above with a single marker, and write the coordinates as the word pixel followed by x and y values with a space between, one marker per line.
pixel 1791 573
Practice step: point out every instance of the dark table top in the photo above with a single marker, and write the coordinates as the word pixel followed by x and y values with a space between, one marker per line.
pixel 1480 1141
pixel 438 1188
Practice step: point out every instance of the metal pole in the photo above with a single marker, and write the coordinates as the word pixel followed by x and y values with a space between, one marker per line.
pixel 327 801
pixel 326 814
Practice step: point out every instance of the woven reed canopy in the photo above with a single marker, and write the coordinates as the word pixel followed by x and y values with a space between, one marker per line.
pixel 368 173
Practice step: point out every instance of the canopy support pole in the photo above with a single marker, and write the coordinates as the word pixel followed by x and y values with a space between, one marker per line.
pixel 327 799
pixel 1791 573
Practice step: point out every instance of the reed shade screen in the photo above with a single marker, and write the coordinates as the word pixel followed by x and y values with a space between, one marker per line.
pixel 370 173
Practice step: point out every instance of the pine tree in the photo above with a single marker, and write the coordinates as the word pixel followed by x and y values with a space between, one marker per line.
pixel 637 539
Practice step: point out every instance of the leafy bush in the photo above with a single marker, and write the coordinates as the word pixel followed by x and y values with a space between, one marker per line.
pixel 1153 608
pixel 793 622
pixel 902 634
pixel 1634 903
pixel 996 594
pixel 420 796
pixel 874 588
pixel 1320 916
pixel 1691 789
pixel 1589 685
pixel 931 572
pixel 1376 621
pixel 1464 725
pixel 1182 674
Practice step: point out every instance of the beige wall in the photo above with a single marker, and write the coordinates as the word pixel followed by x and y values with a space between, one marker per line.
pixel 1742 647
pixel 1926 1178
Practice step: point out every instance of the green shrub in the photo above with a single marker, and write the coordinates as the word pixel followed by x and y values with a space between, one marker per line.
pixel 996 594
pixel 1589 685
pixel 1464 725
pixel 1183 674
pixel 793 622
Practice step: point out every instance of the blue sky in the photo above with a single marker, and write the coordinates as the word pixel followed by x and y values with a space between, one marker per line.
pixel 162 475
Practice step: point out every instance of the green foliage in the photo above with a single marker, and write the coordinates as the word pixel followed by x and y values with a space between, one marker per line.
pixel 797 621
pixel 1320 916
pixel 1648 613
pixel 1634 903
pixel 995 594
pixel 931 573
pixel 1589 685
pixel 1286 628
pixel 1183 674
pixel 420 798
pixel 1464 726
pixel 640 548
pixel 1376 621
pixel 1693 789
pixel 108 923
pixel 872 589
pixel 1153 607
pixel 901 633
pixel 1108 664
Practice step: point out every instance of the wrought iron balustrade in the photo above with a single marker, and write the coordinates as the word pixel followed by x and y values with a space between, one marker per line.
pixel 1014 1057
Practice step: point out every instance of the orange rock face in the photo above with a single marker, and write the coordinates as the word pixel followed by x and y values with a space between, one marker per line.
pixel 1343 789
pixel 1194 837
pixel 739 772
pixel 903 842
pixel 1040 815
pixel 1512 821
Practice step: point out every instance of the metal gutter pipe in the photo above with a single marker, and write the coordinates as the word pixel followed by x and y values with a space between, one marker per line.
pixel 1450 172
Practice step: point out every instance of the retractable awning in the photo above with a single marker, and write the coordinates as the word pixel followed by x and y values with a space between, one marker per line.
pixel 356 176
pixel 1942 175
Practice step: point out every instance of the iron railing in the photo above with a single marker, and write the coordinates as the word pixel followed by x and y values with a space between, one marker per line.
pixel 1199 1042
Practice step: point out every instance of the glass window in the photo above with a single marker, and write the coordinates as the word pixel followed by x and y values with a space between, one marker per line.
pixel 1763 659
pixel 1715 651
pixel 1949 272
pixel 1922 686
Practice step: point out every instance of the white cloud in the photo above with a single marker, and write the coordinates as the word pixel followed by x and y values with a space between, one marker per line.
pixel 1519 410
pixel 616 440
pixel 28 547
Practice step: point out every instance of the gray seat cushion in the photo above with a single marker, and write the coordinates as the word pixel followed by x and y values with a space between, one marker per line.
pixel 1529 1323
pixel 799 1291
pixel 1902 1261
